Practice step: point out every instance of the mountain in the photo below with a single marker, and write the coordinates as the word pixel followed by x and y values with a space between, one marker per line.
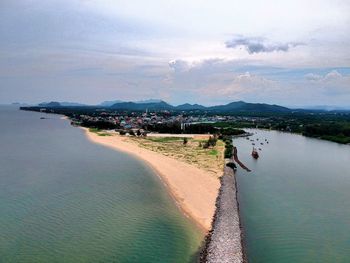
pixel 188 106
pixel 50 104
pixel 162 105
pixel 109 103
pixel 72 104
pixel 61 104
pixel 241 106
pixel 238 106
pixel 158 105
pixel 148 101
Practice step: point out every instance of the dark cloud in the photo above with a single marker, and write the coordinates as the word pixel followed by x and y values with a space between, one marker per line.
pixel 259 45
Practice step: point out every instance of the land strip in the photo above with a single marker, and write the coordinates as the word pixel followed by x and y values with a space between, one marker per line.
pixel 224 242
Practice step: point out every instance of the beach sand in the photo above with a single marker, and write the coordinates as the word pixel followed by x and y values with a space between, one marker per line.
pixel 194 190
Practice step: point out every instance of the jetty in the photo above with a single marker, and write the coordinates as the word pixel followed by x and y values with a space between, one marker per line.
pixel 235 157
pixel 224 242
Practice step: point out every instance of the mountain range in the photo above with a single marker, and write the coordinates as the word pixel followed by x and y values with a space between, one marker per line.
pixel 230 107
pixel 157 105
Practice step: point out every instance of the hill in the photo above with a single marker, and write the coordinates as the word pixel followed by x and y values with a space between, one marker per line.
pixel 241 106
pixel 159 105
pixel 136 106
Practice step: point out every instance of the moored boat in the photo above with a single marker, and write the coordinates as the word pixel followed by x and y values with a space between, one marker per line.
pixel 255 153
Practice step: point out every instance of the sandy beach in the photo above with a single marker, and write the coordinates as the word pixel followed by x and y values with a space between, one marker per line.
pixel 194 190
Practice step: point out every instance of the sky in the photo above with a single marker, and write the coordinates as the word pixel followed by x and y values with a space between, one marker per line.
pixel 292 53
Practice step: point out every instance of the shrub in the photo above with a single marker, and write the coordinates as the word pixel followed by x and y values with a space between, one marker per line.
pixel 185 141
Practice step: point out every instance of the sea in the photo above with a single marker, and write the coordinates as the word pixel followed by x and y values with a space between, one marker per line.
pixel 66 199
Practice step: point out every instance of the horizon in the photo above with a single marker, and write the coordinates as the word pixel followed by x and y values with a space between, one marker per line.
pixel 293 54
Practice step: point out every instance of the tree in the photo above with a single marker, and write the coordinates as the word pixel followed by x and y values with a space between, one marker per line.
pixel 212 141
pixel 185 141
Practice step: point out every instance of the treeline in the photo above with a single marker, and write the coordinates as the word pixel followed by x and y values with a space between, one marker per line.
pixel 337 132
pixel 200 128
pixel 100 124
pixel 327 126
pixel 172 128
pixel 228 145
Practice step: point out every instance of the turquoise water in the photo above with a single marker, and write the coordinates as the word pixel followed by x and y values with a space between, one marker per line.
pixel 64 199
pixel 295 205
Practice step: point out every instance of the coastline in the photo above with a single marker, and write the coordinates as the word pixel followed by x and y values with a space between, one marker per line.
pixel 194 190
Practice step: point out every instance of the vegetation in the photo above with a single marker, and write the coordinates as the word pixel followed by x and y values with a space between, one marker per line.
pixel 163 139
pixel 327 126
pixel 102 125
pixel 228 146
pixel 185 140
pixel 104 134
pixel 99 132
pixel 209 159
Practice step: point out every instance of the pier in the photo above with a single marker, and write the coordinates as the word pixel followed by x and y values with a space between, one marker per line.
pixel 235 157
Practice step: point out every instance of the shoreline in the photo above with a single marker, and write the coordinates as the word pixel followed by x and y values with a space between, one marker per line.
pixel 194 190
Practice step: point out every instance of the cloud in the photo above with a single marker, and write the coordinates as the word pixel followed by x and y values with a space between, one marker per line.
pixel 312 77
pixel 333 75
pixel 245 86
pixel 259 45
pixel 179 65
pixel 331 83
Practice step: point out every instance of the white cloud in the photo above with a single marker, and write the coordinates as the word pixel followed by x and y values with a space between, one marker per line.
pixel 333 83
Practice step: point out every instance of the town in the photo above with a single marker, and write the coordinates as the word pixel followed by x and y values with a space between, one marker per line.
pixel 332 126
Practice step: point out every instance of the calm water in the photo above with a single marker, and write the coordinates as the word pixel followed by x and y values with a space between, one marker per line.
pixel 64 199
pixel 295 205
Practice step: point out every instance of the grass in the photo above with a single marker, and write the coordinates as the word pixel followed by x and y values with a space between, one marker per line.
pixel 164 139
pixel 95 130
pixel 210 159
pixel 213 152
pixel 103 134
pixel 99 132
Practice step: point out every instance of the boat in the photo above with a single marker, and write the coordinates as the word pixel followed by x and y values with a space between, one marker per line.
pixel 255 154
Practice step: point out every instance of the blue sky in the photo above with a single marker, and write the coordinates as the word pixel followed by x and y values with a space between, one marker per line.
pixel 294 53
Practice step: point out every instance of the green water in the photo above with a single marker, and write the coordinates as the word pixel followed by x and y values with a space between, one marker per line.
pixel 64 199
pixel 295 205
